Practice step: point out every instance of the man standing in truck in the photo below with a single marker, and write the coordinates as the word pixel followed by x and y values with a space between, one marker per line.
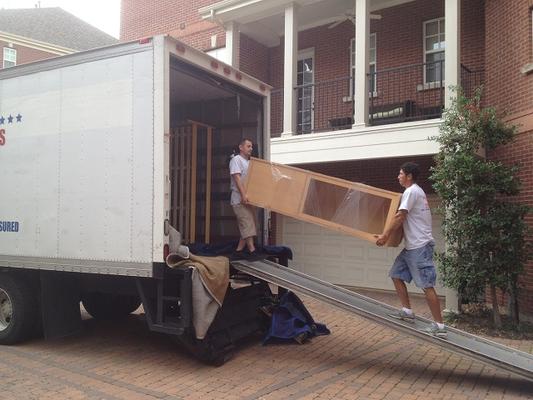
pixel 415 262
pixel 245 212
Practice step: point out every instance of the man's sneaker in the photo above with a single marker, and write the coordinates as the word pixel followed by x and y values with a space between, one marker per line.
pixel 401 314
pixel 434 330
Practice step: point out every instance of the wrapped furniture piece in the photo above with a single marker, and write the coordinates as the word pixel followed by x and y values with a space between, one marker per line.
pixel 352 208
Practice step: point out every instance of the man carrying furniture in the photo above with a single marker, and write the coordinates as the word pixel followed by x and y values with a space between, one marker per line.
pixel 415 262
pixel 245 213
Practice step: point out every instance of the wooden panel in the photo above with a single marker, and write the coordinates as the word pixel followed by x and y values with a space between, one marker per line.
pixel 352 208
pixel 194 162
pixel 275 186
pixel 209 156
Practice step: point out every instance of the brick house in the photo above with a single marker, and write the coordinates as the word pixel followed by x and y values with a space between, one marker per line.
pixel 33 34
pixel 359 118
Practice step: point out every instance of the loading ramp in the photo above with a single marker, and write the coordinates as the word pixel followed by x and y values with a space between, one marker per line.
pixel 486 351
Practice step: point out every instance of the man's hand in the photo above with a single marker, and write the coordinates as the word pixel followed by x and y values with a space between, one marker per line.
pixel 381 239
pixel 244 199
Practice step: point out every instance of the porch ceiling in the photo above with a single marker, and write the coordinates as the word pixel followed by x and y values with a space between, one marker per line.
pixel 263 20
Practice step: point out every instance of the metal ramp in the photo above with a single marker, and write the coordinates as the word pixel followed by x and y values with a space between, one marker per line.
pixel 483 350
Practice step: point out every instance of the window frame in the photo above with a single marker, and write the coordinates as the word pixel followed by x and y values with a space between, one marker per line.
pixel 5 57
pixel 441 21
pixel 371 91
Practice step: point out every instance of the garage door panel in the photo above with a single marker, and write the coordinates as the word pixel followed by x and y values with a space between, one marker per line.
pixel 332 248
pixel 292 227
pixel 378 254
pixel 313 230
pixel 378 277
pixel 310 267
pixel 355 251
pixel 312 248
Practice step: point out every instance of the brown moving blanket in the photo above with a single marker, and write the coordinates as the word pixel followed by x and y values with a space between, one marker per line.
pixel 210 280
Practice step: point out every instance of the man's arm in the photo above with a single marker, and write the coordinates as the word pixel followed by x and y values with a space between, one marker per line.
pixel 397 221
pixel 240 186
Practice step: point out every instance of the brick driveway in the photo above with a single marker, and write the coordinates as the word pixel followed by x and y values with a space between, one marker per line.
pixel 359 360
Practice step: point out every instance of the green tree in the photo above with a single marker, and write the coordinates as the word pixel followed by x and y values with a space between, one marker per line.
pixel 484 229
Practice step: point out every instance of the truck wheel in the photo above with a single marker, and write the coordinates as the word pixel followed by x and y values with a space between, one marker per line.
pixel 109 306
pixel 18 309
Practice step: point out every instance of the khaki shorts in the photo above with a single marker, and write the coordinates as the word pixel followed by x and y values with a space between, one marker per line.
pixel 247 220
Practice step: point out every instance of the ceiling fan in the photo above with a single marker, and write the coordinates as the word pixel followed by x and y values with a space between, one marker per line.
pixel 350 17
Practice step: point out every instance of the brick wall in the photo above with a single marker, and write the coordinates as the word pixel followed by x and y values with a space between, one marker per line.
pixel 25 54
pixel 511 91
pixel 178 18
pixel 254 58
pixel 509 48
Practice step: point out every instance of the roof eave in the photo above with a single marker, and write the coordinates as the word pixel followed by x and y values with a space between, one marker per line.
pixel 233 10
pixel 35 44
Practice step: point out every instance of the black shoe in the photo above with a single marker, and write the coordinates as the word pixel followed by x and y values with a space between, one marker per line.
pixel 255 256
pixel 238 255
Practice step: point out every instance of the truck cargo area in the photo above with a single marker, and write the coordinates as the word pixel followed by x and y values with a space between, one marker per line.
pixel 208 118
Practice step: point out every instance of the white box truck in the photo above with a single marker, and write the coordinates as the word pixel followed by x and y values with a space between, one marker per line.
pixel 97 160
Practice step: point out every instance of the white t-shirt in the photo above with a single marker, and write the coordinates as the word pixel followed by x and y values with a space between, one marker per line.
pixel 417 226
pixel 237 165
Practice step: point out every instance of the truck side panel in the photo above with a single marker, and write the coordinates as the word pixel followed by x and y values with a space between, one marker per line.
pixel 77 164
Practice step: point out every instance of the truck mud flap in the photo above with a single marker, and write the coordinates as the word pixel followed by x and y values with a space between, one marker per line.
pixel 60 304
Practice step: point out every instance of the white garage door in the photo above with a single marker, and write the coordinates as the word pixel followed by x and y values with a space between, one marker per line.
pixel 343 259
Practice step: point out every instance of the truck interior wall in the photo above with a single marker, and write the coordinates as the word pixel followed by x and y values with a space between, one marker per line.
pixel 233 114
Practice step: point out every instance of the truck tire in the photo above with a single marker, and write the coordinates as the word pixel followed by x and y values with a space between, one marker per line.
pixel 109 306
pixel 18 309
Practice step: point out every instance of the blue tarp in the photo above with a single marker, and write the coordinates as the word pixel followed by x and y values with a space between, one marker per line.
pixel 292 321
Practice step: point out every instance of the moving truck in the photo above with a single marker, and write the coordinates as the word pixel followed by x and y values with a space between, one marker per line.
pixel 102 152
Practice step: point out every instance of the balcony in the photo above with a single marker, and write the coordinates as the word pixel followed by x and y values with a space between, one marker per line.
pixel 402 94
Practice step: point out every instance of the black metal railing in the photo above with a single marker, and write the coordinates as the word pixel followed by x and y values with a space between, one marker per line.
pixel 407 93
pixel 471 80
pixel 400 94
pixel 324 106
pixel 276 112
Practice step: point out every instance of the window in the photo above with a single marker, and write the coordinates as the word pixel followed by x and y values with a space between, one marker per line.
pixel 434 45
pixel 305 82
pixel 372 84
pixel 10 57
pixel 528 68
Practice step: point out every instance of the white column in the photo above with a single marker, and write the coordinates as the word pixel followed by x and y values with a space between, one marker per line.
pixel 289 72
pixel 452 61
pixel 233 43
pixel 452 301
pixel 362 43
pixel 452 66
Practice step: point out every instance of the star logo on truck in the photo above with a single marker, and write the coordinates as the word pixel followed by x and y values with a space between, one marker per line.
pixel 9 119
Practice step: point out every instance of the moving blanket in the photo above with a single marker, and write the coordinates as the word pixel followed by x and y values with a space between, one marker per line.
pixel 210 280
